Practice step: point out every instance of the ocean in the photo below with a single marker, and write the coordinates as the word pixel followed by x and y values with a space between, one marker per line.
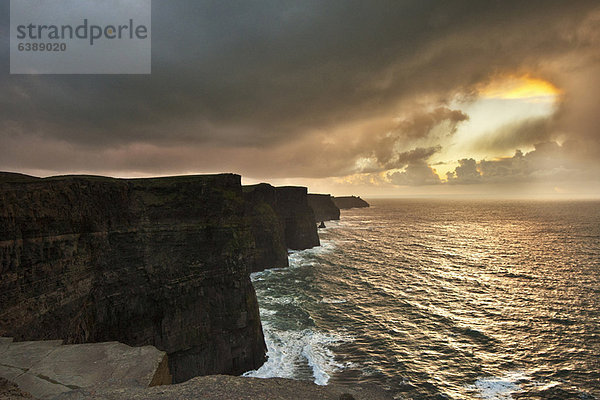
pixel 448 299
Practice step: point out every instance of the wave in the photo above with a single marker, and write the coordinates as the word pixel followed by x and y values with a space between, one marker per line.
pixel 288 350
pixel 500 388
pixel 516 384
pixel 295 353
pixel 328 300
pixel 303 257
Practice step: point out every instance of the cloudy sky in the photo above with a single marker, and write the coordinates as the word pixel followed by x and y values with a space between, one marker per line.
pixel 377 98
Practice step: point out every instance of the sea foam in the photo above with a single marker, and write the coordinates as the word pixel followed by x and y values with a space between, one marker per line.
pixel 500 388
pixel 291 351
pixel 288 350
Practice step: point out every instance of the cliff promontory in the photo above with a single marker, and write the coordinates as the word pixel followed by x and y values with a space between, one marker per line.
pixel 346 202
pixel 159 261
pixel 323 207
pixel 299 219
pixel 268 228
pixel 281 219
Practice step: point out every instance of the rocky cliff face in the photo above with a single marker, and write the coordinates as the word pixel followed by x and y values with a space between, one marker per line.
pixel 268 228
pixel 346 202
pixel 323 207
pixel 281 219
pixel 148 261
pixel 299 219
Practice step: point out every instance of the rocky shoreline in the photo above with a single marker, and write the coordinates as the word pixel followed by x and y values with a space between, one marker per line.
pixel 160 261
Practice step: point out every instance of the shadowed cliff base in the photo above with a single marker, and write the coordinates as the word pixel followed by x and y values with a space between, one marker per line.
pixel 300 224
pixel 268 227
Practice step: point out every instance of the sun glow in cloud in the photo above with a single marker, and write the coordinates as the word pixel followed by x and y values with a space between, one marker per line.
pixel 507 115
pixel 519 88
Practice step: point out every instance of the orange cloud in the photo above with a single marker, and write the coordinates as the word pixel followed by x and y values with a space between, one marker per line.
pixel 523 87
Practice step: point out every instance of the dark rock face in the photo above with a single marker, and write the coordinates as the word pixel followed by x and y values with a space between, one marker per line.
pixel 268 228
pixel 281 218
pixel 346 202
pixel 146 261
pixel 299 219
pixel 323 207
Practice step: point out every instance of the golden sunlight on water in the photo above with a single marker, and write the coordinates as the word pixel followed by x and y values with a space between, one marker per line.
pixel 454 299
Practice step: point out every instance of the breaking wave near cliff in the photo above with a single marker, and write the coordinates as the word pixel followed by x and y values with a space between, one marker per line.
pixel 297 347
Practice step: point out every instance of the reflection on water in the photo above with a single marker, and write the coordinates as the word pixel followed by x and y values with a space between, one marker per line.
pixel 456 299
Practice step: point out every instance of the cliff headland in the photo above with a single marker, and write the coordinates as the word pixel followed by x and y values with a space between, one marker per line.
pixel 323 207
pixel 346 202
pixel 159 261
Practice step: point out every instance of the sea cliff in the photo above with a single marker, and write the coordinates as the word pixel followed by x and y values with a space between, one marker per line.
pixel 160 261
pixel 299 219
pixel 268 227
pixel 346 202
pixel 281 219
pixel 323 207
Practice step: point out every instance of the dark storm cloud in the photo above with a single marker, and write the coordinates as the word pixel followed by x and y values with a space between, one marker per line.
pixel 260 87
pixel 418 126
pixel 422 123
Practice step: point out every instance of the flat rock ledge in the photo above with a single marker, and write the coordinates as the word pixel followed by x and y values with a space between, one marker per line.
pixel 46 369
pixel 114 371
pixel 223 387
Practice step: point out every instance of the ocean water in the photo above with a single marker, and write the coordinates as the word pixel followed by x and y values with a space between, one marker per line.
pixel 443 299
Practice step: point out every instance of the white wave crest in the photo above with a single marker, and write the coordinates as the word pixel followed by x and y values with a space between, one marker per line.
pixel 286 350
pixel 306 257
pixel 500 388
pixel 328 300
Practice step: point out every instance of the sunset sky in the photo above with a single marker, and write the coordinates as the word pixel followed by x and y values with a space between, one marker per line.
pixel 376 98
